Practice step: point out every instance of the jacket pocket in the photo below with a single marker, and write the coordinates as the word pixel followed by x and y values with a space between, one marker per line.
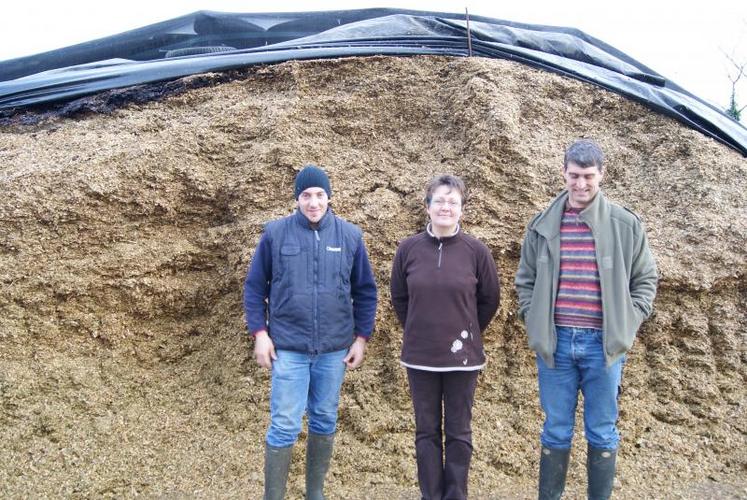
pixel 290 250
pixel 335 320
pixel 537 317
pixel 338 263
pixel 291 316
pixel 292 265
pixel 622 325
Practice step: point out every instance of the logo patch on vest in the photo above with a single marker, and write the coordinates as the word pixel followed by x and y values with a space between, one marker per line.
pixel 334 249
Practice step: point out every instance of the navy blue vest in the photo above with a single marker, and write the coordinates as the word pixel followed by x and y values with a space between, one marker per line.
pixel 310 307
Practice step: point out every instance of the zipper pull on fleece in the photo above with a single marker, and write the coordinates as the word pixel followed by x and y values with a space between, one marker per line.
pixel 440 246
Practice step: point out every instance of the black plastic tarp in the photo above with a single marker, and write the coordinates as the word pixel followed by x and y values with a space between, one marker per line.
pixel 157 53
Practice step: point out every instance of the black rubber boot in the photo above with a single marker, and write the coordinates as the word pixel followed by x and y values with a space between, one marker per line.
pixel 318 455
pixel 600 469
pixel 277 463
pixel 553 469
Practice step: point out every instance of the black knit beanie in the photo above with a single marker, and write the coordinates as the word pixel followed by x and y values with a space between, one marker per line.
pixel 312 176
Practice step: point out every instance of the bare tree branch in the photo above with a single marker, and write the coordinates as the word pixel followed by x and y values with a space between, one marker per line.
pixel 739 68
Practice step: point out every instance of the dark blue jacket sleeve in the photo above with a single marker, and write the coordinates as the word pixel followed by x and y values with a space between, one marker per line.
pixel 363 292
pixel 257 286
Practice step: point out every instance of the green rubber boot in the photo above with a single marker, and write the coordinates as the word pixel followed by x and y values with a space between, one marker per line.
pixel 600 470
pixel 553 469
pixel 318 455
pixel 277 463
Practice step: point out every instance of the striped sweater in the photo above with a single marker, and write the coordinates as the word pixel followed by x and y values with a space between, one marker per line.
pixel 579 299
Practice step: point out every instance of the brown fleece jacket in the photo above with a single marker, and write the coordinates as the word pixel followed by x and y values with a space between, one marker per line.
pixel 445 291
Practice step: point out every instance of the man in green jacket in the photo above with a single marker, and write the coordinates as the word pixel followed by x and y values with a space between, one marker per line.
pixel 586 281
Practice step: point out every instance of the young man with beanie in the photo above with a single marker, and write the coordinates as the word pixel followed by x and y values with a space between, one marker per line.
pixel 586 281
pixel 310 303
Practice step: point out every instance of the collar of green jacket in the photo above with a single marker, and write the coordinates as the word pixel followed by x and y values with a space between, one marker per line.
pixel 546 222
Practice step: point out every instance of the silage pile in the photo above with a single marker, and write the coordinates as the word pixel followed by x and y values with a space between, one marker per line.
pixel 124 365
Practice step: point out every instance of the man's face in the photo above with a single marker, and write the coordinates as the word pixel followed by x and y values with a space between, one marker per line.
pixel 582 184
pixel 313 202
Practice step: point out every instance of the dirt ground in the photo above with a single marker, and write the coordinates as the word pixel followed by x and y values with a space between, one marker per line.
pixel 125 236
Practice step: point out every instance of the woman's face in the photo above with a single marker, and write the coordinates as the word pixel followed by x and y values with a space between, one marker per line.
pixel 445 209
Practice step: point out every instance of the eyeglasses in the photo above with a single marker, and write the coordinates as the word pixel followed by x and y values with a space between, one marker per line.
pixel 449 203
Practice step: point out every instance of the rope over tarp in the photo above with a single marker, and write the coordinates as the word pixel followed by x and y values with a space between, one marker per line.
pixel 208 41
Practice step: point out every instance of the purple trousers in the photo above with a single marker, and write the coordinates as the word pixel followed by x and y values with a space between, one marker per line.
pixel 443 430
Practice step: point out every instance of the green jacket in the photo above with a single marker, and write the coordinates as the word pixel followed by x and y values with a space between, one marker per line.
pixel 627 273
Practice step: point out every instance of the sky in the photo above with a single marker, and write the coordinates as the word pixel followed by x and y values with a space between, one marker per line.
pixel 685 42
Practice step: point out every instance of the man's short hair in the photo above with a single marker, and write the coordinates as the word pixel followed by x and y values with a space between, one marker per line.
pixel 585 153
pixel 454 182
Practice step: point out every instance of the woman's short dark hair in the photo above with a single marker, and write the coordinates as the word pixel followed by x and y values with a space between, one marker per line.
pixel 454 182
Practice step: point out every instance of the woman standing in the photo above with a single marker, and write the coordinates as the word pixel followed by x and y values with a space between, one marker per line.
pixel 445 291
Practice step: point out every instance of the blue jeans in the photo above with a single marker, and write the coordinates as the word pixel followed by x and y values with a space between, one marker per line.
pixel 579 364
pixel 304 383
